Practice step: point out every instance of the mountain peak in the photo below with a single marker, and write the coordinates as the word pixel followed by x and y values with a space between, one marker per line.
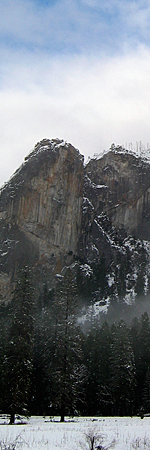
pixel 54 212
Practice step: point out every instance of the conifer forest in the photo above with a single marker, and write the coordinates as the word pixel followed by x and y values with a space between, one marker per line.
pixel 49 365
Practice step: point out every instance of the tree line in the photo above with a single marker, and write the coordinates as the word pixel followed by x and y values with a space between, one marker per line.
pixel 49 366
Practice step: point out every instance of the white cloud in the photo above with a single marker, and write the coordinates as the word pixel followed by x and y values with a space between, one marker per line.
pixel 59 24
pixel 74 25
pixel 137 16
pixel 89 102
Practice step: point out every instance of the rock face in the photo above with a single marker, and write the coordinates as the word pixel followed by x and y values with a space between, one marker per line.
pixel 41 211
pixel 54 212
pixel 122 190
pixel 115 243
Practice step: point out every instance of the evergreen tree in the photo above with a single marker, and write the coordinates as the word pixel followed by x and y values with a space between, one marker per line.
pixel 104 369
pixel 3 328
pixel 66 367
pixel 91 359
pixel 144 344
pixel 97 355
pixel 146 392
pixel 144 355
pixel 122 367
pixel 1 373
pixel 41 381
pixel 17 367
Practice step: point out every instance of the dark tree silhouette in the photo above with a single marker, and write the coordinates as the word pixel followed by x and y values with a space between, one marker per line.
pixel 66 366
pixel 122 371
pixel 17 366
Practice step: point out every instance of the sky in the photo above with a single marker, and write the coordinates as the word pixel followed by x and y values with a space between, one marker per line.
pixel 77 70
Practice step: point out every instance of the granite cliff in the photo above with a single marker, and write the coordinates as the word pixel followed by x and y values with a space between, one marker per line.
pixel 41 214
pixel 54 212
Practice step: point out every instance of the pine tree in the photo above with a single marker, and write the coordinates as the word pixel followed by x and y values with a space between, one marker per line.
pixel 3 334
pixel 123 374
pixel 104 369
pixel 143 355
pixel 97 354
pixel 66 367
pixel 146 392
pixel 135 342
pixel 91 359
pixel 144 341
pixel 17 367
pixel 41 381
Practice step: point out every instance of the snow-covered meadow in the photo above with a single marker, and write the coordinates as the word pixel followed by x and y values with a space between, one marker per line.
pixel 77 434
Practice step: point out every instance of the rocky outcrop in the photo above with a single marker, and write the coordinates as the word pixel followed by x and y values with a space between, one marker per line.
pixel 115 240
pixel 54 212
pixel 118 185
pixel 41 211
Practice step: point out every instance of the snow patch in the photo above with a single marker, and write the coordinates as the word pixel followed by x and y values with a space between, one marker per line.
pixel 94 185
pixel 130 296
pixel 111 279
pixel 140 152
pixel 48 433
pixel 94 248
pixel 86 270
pixel 93 311
pixel 86 203
pixel 4 254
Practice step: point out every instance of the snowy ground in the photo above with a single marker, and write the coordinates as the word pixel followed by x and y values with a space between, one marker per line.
pixel 41 433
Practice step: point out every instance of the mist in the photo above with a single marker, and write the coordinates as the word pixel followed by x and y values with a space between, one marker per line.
pixel 120 310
